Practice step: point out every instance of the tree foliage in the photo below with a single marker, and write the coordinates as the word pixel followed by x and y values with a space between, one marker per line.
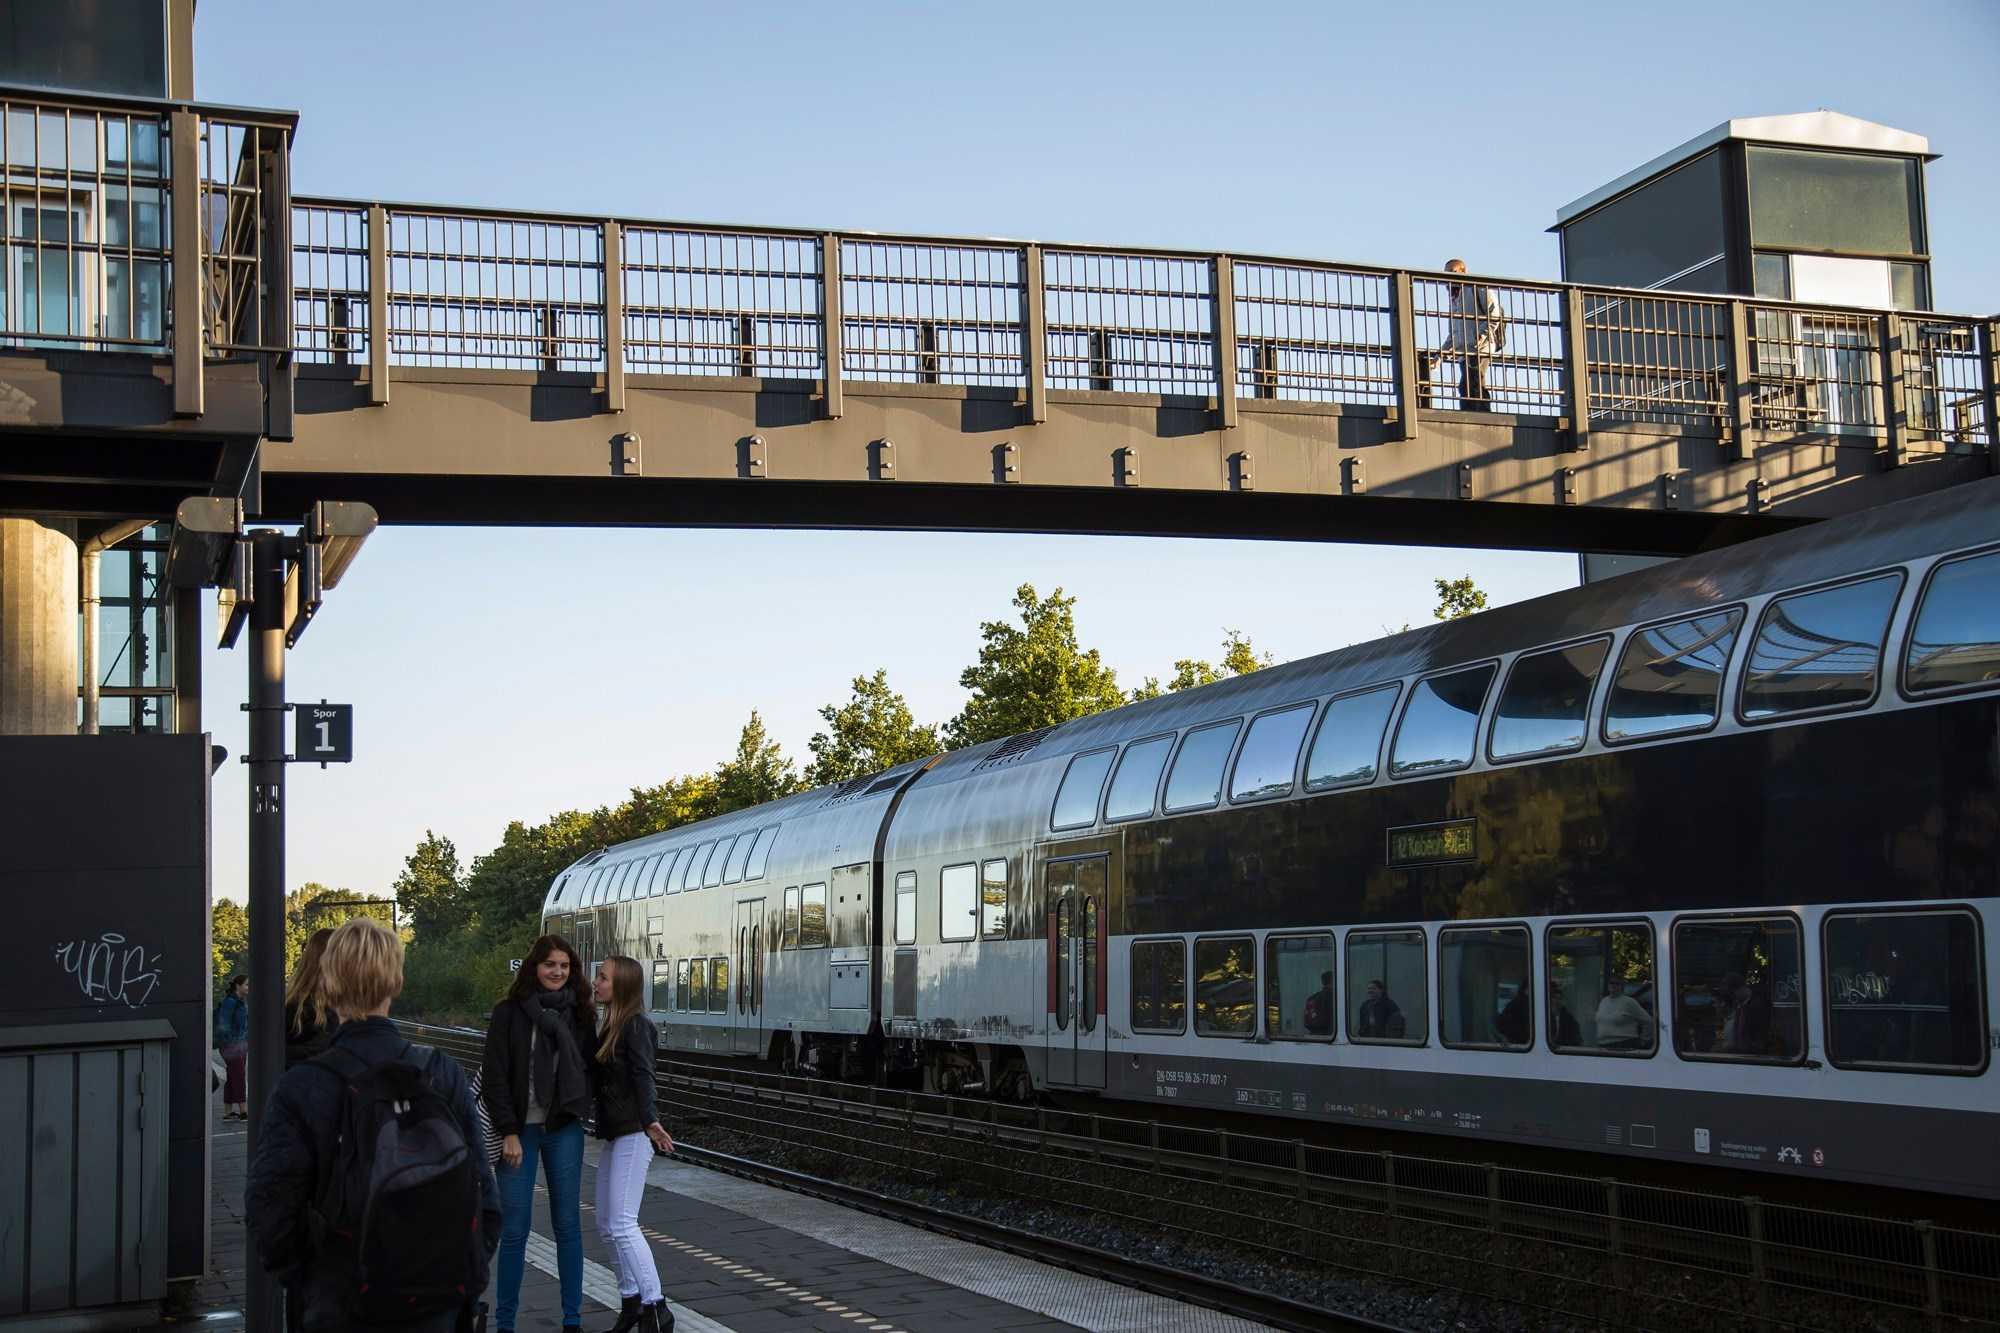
pixel 229 939
pixel 431 889
pixel 756 773
pixel 1238 659
pixel 1458 598
pixel 872 731
pixel 1031 675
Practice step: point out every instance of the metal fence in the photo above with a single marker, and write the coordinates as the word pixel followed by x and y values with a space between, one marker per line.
pixel 473 289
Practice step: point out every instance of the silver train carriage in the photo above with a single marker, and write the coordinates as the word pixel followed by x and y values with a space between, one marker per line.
pixel 1696 863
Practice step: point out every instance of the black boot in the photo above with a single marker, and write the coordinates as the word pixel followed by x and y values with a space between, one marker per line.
pixel 658 1318
pixel 630 1313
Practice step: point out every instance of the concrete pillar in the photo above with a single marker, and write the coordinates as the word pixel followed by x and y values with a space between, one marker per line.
pixel 37 627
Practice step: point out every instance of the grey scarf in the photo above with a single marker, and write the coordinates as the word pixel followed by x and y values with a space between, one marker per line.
pixel 560 1081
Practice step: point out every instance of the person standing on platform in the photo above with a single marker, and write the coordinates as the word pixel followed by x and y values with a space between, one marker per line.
pixel 1475 329
pixel 628 1120
pixel 535 1080
pixel 232 1039
pixel 309 1023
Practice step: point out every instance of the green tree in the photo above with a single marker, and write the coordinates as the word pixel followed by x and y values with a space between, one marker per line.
pixel 872 731
pixel 1238 659
pixel 431 890
pixel 756 773
pixel 229 939
pixel 1458 598
pixel 1031 675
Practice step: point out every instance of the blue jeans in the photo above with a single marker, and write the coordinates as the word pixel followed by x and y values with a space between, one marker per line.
pixel 561 1153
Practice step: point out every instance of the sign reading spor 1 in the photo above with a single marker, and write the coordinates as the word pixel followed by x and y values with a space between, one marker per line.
pixel 323 733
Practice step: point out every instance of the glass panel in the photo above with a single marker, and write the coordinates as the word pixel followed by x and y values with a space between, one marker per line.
pixel 1349 740
pixel 1086 1020
pixel 663 986
pixel 906 907
pixel 1440 723
pixel 662 873
pixel 1484 995
pixel 1807 200
pixel 691 873
pixel 993 900
pixel 1196 779
pixel 1601 995
pixel 1819 649
pixel 1771 275
pixel 1137 779
pixel 1904 989
pixel 1270 755
pixel 760 855
pixel 682 985
pixel 1660 229
pixel 718 985
pixel 1956 641
pixel 1066 946
pixel 1670 677
pixel 697 987
pixel 958 902
pixel 1388 986
pixel 1298 987
pixel 1910 286
pixel 1543 706
pixel 812 916
pixel 1076 802
pixel 712 876
pixel 732 873
pixel 1738 990
pixel 1225 986
pixel 1159 986
pixel 585 898
pixel 791 936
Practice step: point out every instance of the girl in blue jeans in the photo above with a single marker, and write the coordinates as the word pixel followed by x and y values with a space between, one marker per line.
pixel 536 1085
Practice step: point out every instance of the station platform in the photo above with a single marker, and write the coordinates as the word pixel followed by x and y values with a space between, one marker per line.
pixel 739 1257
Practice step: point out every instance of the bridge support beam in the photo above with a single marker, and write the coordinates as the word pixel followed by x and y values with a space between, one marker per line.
pixel 38 591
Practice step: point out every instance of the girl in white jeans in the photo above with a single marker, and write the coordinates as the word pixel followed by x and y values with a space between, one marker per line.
pixel 628 1120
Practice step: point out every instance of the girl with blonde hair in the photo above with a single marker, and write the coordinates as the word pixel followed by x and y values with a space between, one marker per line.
pixel 309 1022
pixel 628 1120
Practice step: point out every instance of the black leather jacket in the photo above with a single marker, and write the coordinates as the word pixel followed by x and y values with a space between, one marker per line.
pixel 626 1103
pixel 503 1075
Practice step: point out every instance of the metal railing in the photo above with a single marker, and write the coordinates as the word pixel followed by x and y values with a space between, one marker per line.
pixel 475 289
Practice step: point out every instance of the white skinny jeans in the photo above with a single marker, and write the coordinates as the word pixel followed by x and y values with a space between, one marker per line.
pixel 621 1183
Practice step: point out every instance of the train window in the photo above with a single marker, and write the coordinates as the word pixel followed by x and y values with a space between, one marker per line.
pixel 681 984
pixel 1440 723
pixel 697 987
pixel 662 874
pixel 1195 781
pixel 1225 985
pixel 1903 991
pixel 712 876
pixel 1955 644
pixel 993 900
pixel 1159 986
pixel 760 855
pixel 642 878
pixel 1670 677
pixel 1298 987
pixel 691 872
pixel 1819 649
pixel 812 917
pixel 790 938
pixel 1544 706
pixel 958 902
pixel 1137 780
pixel 1739 990
pixel 1388 987
pixel 663 986
pixel 1486 995
pixel 1602 997
pixel 1076 800
pixel 1349 742
pixel 906 907
pixel 733 872
pixel 718 984
pixel 1270 755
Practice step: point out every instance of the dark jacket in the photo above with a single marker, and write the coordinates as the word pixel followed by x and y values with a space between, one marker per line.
pixel 296 1141
pixel 626 1103
pixel 503 1076
pixel 232 1022
pixel 305 1040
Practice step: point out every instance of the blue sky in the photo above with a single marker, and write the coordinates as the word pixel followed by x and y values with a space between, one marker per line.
pixel 504 675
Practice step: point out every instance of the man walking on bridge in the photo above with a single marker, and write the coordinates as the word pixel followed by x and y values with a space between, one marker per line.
pixel 1475 328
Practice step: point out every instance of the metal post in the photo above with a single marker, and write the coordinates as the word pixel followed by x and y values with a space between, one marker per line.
pixel 184 133
pixel 1225 340
pixel 267 862
pixel 830 322
pixel 1989 373
pixel 276 263
pixel 927 351
pixel 1895 401
pixel 550 318
pixel 1754 1208
pixel 378 305
pixel 1933 1289
pixel 1576 369
pixel 1403 354
pixel 1100 360
pixel 614 317
pixel 1742 374
pixel 1035 335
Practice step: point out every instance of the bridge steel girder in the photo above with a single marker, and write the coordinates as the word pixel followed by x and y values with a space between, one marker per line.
pixel 517 447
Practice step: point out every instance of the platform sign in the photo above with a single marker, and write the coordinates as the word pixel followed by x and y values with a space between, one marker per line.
pixel 323 733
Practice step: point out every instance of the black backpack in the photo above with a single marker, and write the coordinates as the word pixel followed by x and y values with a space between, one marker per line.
pixel 397 1216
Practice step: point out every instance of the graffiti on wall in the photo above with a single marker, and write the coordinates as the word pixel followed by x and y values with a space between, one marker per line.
pixel 111 969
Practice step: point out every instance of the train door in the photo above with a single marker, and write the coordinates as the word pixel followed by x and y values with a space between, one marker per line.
pixel 747 1004
pixel 1077 922
pixel 585 940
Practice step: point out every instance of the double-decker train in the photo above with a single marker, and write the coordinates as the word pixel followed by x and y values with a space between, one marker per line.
pixel 1694 864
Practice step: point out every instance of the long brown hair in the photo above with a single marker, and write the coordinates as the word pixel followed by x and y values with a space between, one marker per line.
pixel 626 979
pixel 526 985
pixel 305 994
